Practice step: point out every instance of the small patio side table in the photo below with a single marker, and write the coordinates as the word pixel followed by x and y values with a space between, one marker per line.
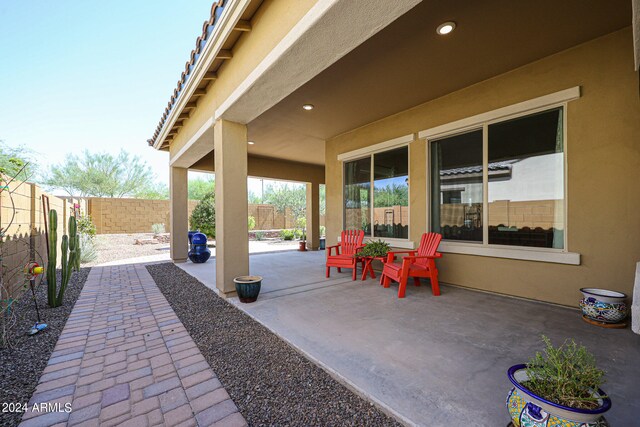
pixel 367 269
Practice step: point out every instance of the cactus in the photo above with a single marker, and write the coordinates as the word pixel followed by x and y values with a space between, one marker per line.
pixel 53 254
pixel 69 256
pixel 74 246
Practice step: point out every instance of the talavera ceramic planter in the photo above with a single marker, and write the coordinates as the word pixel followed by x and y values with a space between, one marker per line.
pixel 529 410
pixel 603 305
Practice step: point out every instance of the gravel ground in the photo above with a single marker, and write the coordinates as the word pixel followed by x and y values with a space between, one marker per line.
pixel 113 247
pixel 271 383
pixel 25 357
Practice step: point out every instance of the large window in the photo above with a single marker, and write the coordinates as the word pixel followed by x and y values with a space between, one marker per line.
pixel 523 175
pixel 385 213
pixel 456 182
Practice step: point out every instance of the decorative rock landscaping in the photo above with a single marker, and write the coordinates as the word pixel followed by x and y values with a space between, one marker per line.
pixel 271 383
pixel 25 357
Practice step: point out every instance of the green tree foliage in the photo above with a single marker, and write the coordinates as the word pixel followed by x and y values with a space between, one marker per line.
pixel 391 195
pixel 16 162
pixel 254 199
pixel 203 217
pixel 293 197
pixel 153 191
pixel 199 188
pixel 102 175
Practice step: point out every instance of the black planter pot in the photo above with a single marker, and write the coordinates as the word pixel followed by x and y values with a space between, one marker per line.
pixel 248 287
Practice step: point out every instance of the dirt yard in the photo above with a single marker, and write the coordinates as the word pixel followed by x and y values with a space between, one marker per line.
pixel 113 247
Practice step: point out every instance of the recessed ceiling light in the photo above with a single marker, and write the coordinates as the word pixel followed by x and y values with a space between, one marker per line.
pixel 446 28
pixel 308 107
pixel 250 142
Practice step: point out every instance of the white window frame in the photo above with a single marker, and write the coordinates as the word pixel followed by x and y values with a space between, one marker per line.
pixel 370 151
pixel 482 121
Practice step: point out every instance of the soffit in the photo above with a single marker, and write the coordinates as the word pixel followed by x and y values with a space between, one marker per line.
pixel 407 64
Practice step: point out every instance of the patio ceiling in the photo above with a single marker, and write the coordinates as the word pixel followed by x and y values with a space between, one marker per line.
pixel 407 64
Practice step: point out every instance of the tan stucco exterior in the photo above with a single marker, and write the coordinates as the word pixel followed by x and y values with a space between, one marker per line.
pixel 273 20
pixel 603 169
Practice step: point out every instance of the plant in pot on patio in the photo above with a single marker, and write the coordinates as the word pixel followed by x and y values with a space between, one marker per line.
pixel 375 249
pixel 560 387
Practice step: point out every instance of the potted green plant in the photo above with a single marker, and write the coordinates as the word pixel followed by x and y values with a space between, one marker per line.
pixel 374 249
pixel 560 387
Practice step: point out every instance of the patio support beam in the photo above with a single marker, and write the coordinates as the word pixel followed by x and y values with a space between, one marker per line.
pixel 313 216
pixel 178 213
pixel 232 245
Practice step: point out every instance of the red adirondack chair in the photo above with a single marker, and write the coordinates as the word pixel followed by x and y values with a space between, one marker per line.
pixel 419 263
pixel 345 251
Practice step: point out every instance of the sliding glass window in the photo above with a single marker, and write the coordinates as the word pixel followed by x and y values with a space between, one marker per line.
pixel 387 207
pixel 357 195
pixel 526 181
pixel 523 176
pixel 456 186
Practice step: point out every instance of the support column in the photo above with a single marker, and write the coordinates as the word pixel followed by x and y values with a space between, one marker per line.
pixel 313 216
pixel 232 238
pixel 179 213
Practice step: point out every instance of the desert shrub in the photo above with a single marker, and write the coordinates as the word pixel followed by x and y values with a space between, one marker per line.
pixel 86 225
pixel 259 235
pixel 88 250
pixel 203 217
pixel 566 375
pixel 251 222
pixel 158 228
pixel 287 234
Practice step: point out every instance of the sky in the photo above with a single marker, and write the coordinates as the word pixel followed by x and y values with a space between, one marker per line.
pixel 92 75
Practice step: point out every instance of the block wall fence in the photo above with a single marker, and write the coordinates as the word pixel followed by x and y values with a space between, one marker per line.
pixel 22 223
pixel 118 216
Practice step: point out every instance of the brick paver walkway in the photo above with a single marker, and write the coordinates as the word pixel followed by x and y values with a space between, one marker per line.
pixel 124 358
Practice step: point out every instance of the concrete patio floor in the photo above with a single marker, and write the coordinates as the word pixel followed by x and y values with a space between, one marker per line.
pixel 435 361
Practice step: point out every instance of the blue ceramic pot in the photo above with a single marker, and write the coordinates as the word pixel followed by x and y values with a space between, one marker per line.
pixel 199 252
pixel 248 287
pixel 530 410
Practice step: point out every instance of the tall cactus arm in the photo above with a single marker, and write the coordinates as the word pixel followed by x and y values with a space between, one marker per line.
pixel 66 270
pixel 73 246
pixel 51 262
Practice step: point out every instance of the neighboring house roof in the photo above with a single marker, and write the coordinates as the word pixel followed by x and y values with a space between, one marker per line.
pixel 493 167
pixel 207 29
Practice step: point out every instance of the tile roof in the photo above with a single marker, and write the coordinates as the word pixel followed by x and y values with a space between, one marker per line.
pixel 207 28
pixel 495 166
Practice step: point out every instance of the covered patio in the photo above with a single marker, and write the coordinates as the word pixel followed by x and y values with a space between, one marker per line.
pixel 514 136
pixel 427 360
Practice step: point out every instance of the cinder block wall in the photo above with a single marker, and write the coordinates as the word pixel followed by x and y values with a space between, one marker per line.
pixel 124 216
pixel 22 222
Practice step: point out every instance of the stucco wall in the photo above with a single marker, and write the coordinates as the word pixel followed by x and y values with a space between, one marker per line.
pixel 272 21
pixel 603 159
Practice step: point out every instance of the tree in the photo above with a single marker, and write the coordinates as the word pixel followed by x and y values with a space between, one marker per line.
pixel 15 162
pixel 203 217
pixel 293 197
pixel 199 188
pixel 254 199
pixel 155 191
pixel 102 175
